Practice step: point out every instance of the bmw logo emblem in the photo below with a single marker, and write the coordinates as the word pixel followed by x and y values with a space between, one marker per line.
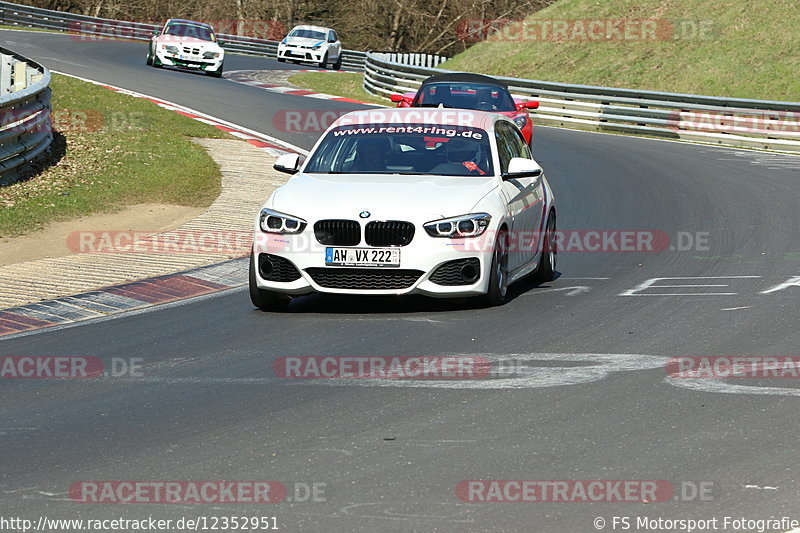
pixel 364 214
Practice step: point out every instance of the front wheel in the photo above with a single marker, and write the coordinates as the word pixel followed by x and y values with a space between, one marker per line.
pixel 546 270
pixel 497 294
pixel 217 73
pixel 281 59
pixel 264 299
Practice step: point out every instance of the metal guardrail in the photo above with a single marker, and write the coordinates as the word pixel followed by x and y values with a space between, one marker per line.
pixel 25 122
pixel 88 28
pixel 764 124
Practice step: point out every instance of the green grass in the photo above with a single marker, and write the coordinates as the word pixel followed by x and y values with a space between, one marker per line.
pixel 120 151
pixel 347 84
pixel 749 51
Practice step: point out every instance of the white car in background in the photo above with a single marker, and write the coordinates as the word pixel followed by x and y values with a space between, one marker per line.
pixel 439 202
pixel 311 44
pixel 189 45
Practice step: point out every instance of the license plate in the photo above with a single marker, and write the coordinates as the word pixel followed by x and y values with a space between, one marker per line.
pixel 363 257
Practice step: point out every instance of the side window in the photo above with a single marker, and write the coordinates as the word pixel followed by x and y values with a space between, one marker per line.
pixel 332 36
pixel 516 142
pixel 504 149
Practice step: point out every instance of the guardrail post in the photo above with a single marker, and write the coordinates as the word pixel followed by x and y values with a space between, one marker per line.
pixel 20 76
pixel 5 73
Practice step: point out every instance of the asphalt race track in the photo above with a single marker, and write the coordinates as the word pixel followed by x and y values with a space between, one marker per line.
pixel 207 406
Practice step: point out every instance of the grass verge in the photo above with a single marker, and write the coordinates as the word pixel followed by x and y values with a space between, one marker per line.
pixel 117 151
pixel 716 47
pixel 347 84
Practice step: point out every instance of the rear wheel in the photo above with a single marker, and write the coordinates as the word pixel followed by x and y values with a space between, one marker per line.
pixel 338 64
pixel 546 270
pixel 497 294
pixel 324 61
pixel 264 299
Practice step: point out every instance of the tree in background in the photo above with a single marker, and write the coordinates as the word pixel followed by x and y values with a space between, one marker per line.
pixel 427 26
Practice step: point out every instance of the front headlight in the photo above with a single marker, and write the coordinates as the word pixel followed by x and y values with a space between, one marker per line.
pixel 169 48
pixel 276 222
pixel 210 55
pixel 459 227
pixel 316 47
pixel 520 122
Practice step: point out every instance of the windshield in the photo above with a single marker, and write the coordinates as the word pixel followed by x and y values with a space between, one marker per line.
pixel 190 30
pixel 403 149
pixel 465 96
pixel 308 34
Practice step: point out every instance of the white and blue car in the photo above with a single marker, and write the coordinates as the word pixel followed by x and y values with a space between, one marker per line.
pixel 438 202
pixel 311 44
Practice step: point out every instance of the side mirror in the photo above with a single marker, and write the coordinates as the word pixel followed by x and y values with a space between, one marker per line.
pixel 532 104
pixel 520 167
pixel 396 98
pixel 156 33
pixel 220 42
pixel 287 163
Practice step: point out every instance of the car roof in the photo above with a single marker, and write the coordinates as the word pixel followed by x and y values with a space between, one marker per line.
pixel 309 27
pixel 464 77
pixel 428 116
pixel 184 21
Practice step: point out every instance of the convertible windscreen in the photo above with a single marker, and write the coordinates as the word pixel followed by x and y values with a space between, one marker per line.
pixel 190 30
pixel 403 149
pixel 465 96
pixel 308 34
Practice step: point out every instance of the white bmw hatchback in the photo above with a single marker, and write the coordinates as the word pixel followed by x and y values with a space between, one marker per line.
pixel 439 202
pixel 187 44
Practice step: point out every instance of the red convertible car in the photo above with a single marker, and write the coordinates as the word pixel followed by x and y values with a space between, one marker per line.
pixel 471 91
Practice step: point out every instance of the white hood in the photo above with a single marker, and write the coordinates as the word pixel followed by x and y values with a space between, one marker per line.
pixel 190 42
pixel 417 199
pixel 303 41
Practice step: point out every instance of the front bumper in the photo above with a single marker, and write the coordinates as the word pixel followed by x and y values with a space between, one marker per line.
pixel 189 62
pixel 297 53
pixel 418 262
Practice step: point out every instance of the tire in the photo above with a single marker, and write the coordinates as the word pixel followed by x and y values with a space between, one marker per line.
pixel 497 294
pixel 156 62
pixel 281 59
pixel 149 58
pixel 324 61
pixel 217 73
pixel 546 269
pixel 263 299
pixel 338 64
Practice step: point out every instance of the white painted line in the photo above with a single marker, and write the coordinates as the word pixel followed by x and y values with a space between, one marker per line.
pixel 651 283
